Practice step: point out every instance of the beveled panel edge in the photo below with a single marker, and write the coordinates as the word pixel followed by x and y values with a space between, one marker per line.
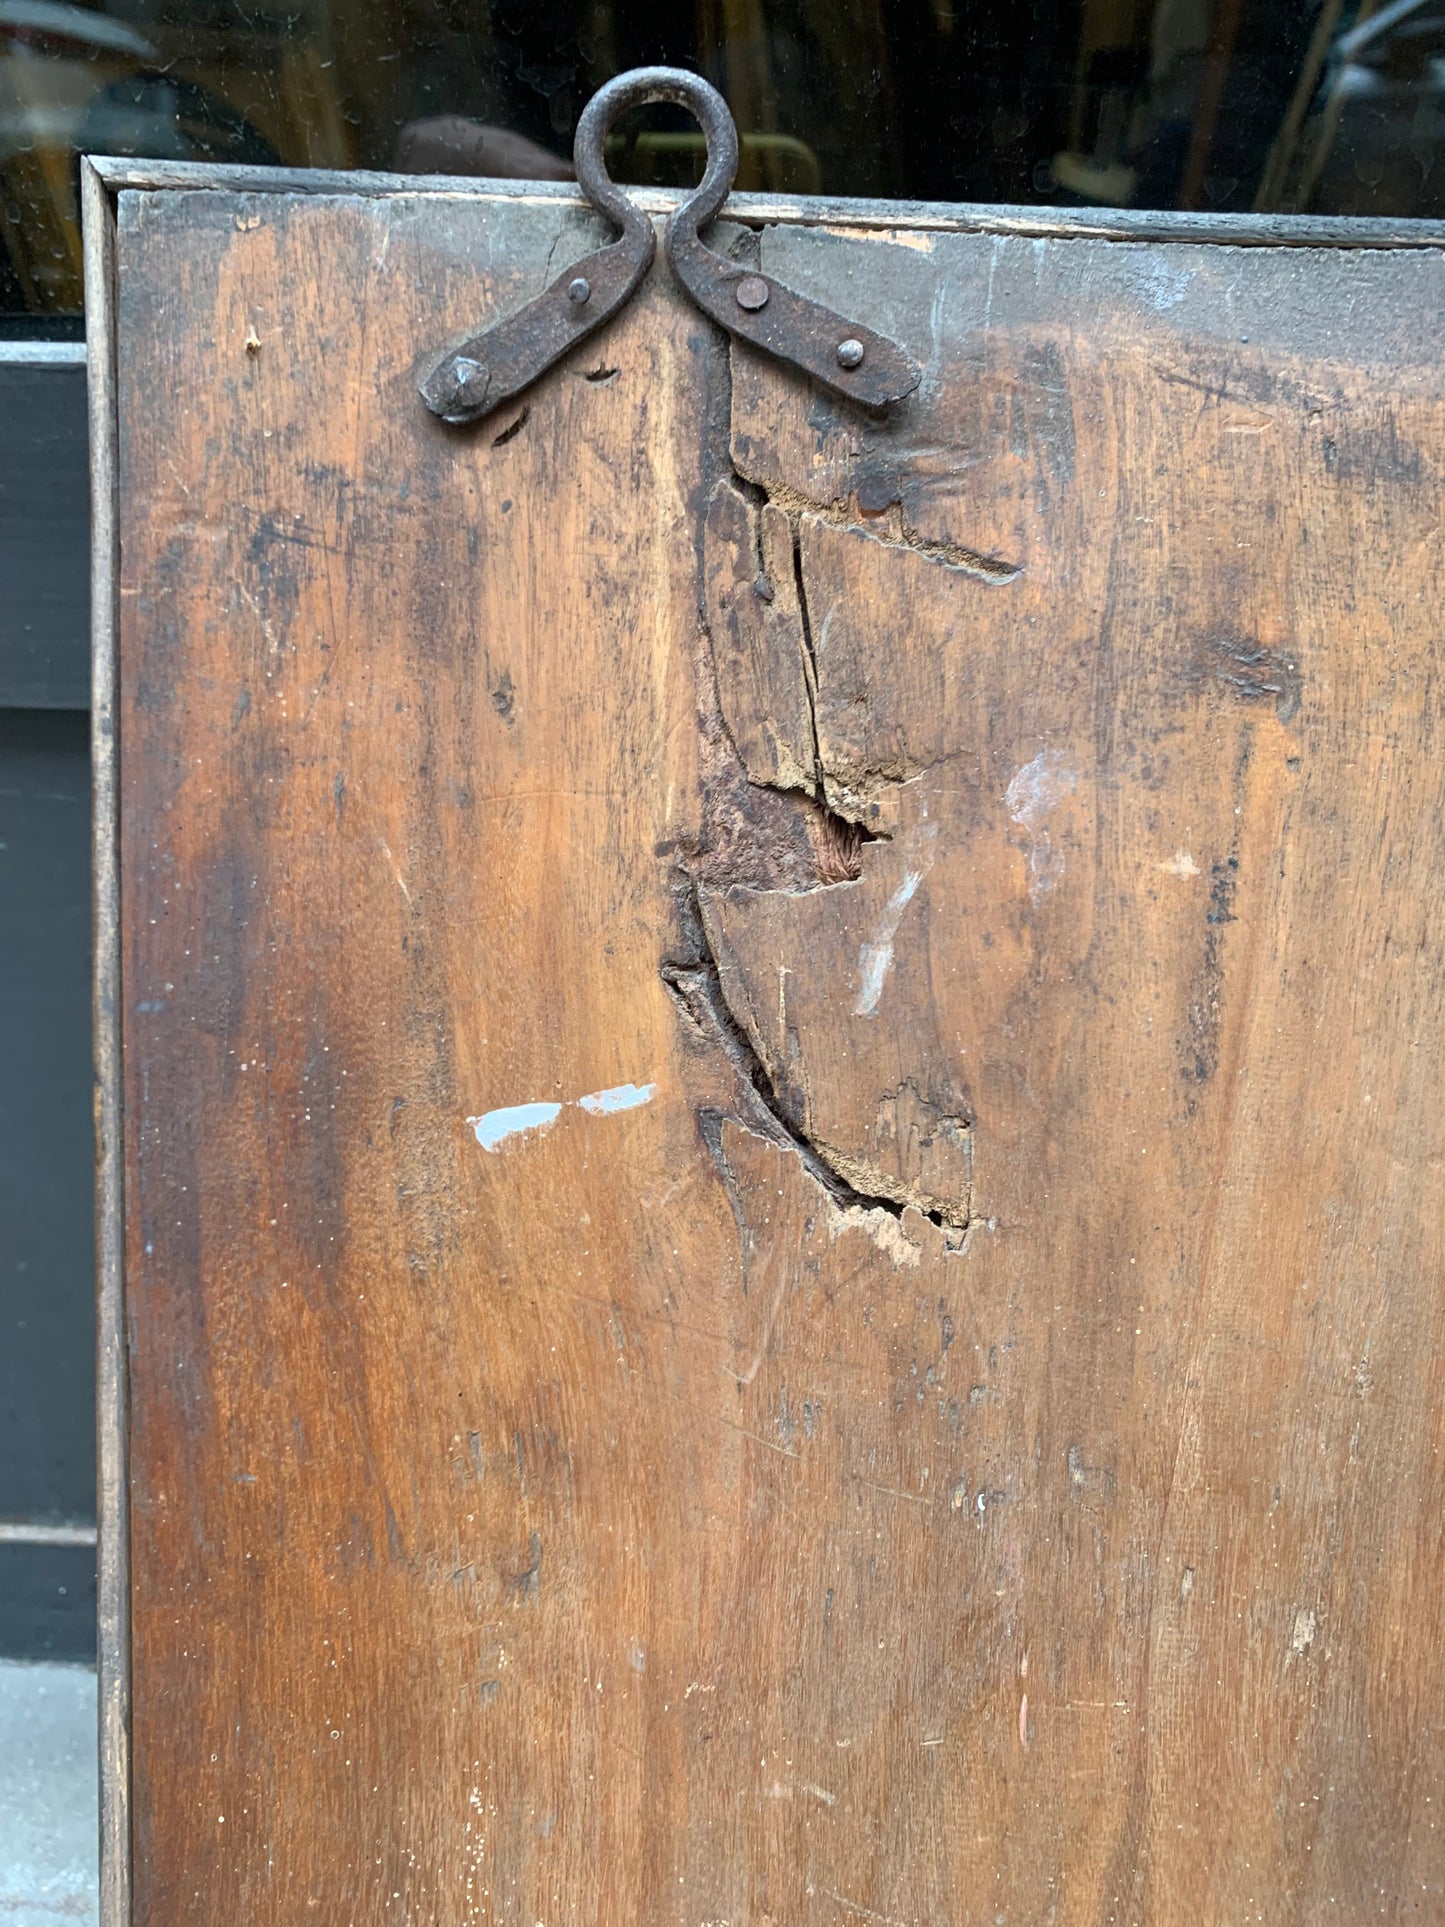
pixel 112 1392
pixel 1037 223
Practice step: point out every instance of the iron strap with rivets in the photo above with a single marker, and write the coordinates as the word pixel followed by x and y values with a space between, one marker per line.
pixel 498 363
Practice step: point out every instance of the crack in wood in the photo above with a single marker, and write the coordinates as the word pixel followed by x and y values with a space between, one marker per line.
pixel 769 827
pixel 766 822
pixel 513 428
pixel 888 527
pixel 810 652
pixel 696 988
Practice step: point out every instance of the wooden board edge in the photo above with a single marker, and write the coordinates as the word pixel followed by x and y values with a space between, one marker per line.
pixel 1033 223
pixel 112 1393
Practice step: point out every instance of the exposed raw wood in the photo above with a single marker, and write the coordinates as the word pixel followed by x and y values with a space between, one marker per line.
pixel 758 643
pixel 784 1249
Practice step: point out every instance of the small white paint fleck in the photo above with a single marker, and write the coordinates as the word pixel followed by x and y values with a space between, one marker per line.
pixel 875 959
pixel 1033 791
pixel 395 869
pixel 513 1120
pixel 1164 287
pixel 621 1097
pixel 785 1790
pixel 1036 788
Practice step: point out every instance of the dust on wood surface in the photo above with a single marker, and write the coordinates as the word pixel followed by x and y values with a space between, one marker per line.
pixel 784 1166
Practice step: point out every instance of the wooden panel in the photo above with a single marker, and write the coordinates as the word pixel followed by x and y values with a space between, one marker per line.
pixel 932 1411
pixel 1175 954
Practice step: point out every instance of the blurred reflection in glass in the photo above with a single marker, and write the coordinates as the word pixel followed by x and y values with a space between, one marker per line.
pixel 1211 104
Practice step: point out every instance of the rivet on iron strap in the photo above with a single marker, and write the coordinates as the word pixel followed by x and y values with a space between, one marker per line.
pixel 497 364
pixel 843 355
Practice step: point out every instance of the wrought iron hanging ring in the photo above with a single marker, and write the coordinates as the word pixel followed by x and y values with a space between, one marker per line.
pixel 497 364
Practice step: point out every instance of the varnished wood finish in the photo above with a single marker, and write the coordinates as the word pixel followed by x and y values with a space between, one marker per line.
pixel 965 1445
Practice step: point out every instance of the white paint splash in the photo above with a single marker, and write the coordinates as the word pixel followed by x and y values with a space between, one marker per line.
pixel 621 1097
pixel 1033 791
pixel 514 1120
pixel 875 956
pixel 493 1128
pixel 875 959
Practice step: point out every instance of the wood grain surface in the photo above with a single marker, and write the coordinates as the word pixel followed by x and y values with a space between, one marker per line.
pixel 932 1413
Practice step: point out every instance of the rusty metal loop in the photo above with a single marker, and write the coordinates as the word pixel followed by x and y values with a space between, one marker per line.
pixel 498 363
pixel 751 305
pixel 638 89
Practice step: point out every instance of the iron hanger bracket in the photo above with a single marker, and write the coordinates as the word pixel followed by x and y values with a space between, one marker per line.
pixel 497 364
